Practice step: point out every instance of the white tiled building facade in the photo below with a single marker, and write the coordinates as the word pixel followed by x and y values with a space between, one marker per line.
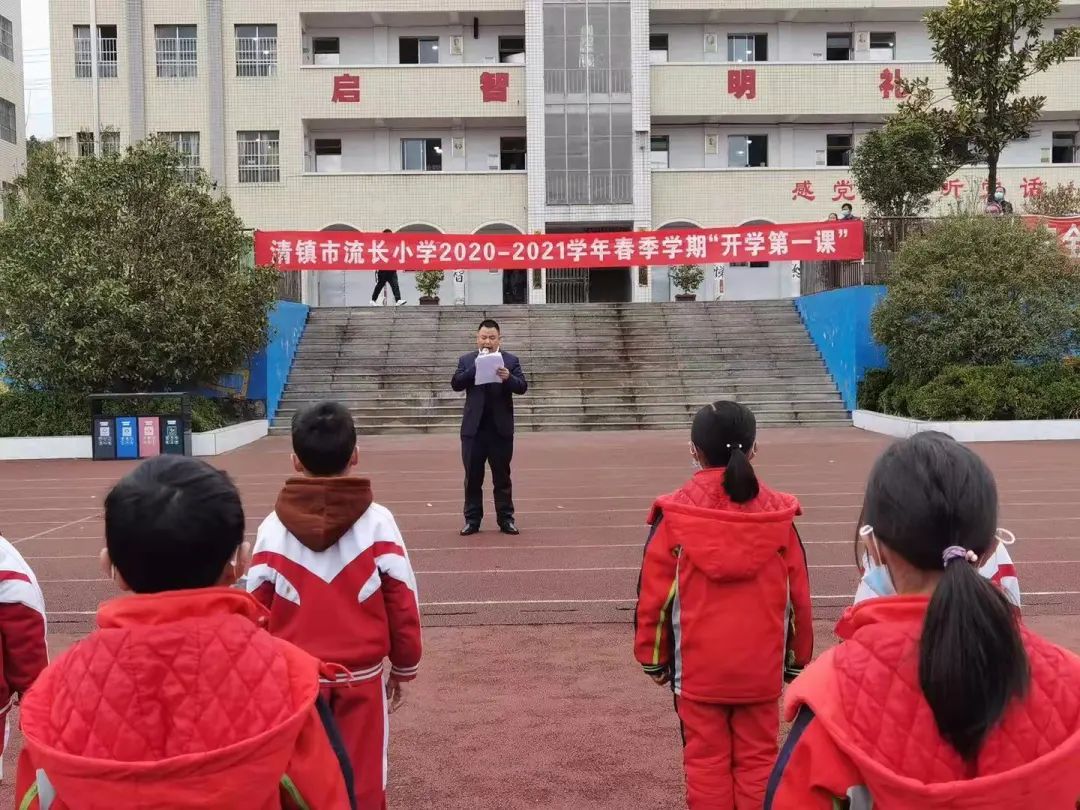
pixel 12 122
pixel 418 114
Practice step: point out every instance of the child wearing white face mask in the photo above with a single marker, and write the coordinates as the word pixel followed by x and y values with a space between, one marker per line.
pixel 999 569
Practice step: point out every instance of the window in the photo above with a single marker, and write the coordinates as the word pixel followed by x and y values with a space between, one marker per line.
pixel 838 47
pixel 260 156
pixel 512 49
pixel 512 154
pixel 328 155
pixel 837 150
pixel 187 144
pixel 256 51
pixel 882 46
pixel 326 50
pixel 421 154
pixel 747 151
pixel 659 149
pixel 748 48
pixel 110 143
pixel 86 143
pixel 1064 147
pixel 177 51
pixel 748 264
pixel 9 129
pixel 106 52
pixel 658 49
pixel 7 39
pixel 418 50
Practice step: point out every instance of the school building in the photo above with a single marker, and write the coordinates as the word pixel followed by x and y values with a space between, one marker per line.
pixel 12 115
pixel 518 116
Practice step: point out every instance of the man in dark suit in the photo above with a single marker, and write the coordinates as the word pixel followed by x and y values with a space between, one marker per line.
pixel 487 430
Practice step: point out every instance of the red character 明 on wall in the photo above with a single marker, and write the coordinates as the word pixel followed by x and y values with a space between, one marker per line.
pixel 742 83
pixel 494 86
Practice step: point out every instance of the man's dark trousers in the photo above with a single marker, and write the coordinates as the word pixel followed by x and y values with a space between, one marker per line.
pixel 487 447
pixel 385 277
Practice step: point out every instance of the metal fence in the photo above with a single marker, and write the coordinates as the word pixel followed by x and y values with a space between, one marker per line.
pixel 595 187
pixel 884 236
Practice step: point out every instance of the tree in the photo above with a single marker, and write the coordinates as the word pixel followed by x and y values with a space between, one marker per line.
pixel 898 167
pixel 118 274
pixel 1060 201
pixel 989 48
pixel 978 290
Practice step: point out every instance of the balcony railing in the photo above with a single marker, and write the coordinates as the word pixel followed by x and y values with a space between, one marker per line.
pixel 107 58
pixel 590 187
pixel 256 56
pixel 177 58
pixel 578 82
pixel 883 238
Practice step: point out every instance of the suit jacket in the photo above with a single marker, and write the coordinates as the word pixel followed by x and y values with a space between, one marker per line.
pixel 497 396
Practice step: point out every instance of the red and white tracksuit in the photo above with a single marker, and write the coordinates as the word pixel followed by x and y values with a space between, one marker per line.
pixel 724 609
pixel 23 654
pixel 332 568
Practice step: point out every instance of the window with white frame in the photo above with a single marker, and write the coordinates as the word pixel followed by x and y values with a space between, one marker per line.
pixel 659 151
pixel 1063 147
pixel 838 48
pixel 107 53
pixel 658 49
pixel 7 39
pixel 177 51
pixel 421 154
pixel 748 151
pixel 110 143
pixel 9 129
pixel 256 50
pixel 882 46
pixel 187 145
pixel 328 155
pixel 838 150
pixel 259 156
pixel 418 50
pixel 748 47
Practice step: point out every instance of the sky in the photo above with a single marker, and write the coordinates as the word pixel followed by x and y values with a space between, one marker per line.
pixel 35 32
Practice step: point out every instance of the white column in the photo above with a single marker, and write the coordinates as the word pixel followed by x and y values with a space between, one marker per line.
pixel 641 114
pixel 536 164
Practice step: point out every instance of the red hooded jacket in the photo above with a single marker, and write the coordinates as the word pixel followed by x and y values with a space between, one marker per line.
pixel 865 736
pixel 724 596
pixel 180 700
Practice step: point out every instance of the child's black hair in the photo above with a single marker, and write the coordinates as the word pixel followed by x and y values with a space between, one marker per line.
pixel 925 494
pixel 323 438
pixel 173 523
pixel 724 433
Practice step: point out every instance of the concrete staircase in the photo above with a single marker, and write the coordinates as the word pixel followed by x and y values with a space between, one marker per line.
pixel 590 367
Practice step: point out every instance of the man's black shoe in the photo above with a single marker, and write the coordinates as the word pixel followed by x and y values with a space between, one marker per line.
pixel 508 527
pixel 470 528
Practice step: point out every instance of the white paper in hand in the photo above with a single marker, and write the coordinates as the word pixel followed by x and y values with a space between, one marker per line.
pixel 486 366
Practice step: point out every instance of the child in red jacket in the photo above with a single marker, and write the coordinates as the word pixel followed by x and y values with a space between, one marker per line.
pixel 937 698
pixel 723 611
pixel 180 699
pixel 332 568
pixel 23 654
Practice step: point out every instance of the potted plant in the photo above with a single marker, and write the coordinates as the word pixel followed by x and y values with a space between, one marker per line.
pixel 428 283
pixel 687 277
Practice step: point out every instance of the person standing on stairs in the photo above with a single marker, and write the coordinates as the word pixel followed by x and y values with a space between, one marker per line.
pixel 384 277
pixel 487 429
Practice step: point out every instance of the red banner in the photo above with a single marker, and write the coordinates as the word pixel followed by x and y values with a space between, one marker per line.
pixel 1067 229
pixel 352 250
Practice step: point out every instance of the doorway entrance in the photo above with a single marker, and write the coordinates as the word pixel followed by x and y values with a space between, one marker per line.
pixel 581 285
pixel 515 285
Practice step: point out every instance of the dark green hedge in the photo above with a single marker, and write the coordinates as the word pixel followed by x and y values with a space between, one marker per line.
pixel 33 413
pixel 1049 391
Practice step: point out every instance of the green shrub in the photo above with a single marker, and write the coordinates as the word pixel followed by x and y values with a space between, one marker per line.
pixel 980 291
pixel 34 413
pixel 1000 392
pixel 871 387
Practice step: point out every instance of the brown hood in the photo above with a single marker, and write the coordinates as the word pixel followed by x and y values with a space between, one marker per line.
pixel 318 511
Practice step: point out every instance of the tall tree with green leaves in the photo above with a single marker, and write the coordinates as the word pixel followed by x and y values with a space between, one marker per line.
pixel 120 273
pixel 990 48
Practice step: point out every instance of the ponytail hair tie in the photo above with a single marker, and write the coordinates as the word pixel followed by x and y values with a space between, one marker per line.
pixel 733 446
pixel 958 553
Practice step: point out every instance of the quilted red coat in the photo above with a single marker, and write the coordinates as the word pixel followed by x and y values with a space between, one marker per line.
pixel 179 700
pixel 865 733
pixel 724 596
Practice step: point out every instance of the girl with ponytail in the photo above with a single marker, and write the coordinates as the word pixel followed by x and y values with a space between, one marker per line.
pixel 723 612
pixel 937 697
